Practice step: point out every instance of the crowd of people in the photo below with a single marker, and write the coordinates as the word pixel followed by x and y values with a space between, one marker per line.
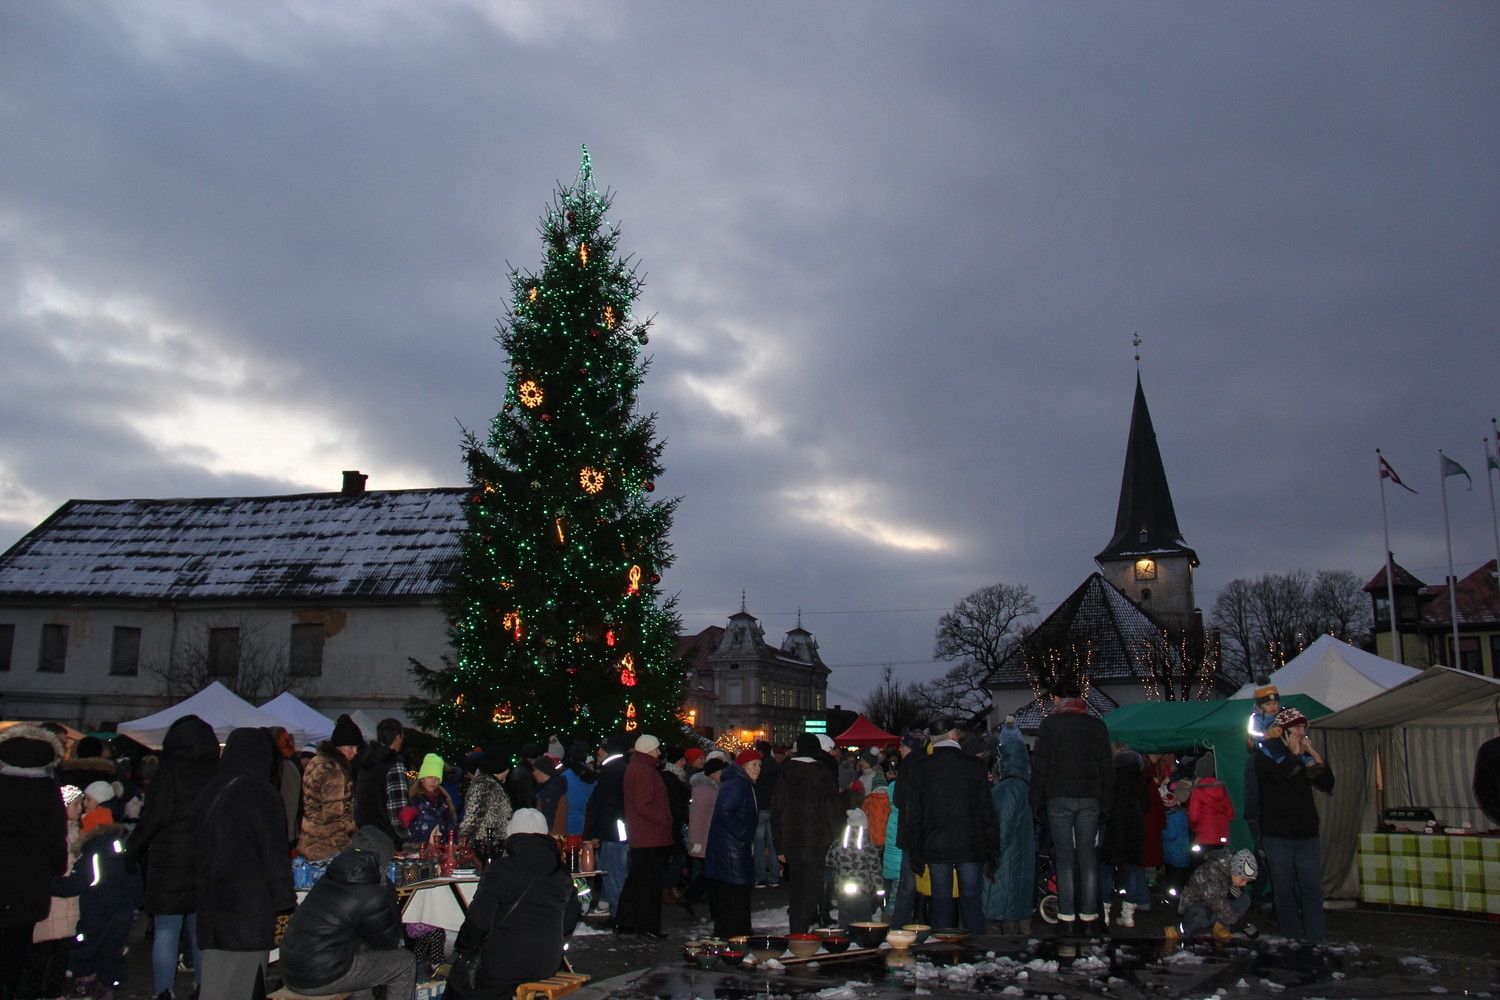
pixel 948 827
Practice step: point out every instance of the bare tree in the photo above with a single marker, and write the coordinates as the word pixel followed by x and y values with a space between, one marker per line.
pixel 892 707
pixel 239 653
pixel 960 693
pixel 1340 606
pixel 1281 614
pixel 1232 616
pixel 984 626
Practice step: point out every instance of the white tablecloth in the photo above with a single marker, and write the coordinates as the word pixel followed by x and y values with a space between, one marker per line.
pixel 441 902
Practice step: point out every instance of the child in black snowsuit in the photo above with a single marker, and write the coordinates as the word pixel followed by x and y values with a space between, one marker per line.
pixel 109 891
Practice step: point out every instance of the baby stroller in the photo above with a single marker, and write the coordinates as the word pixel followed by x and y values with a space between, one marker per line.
pixel 1046 886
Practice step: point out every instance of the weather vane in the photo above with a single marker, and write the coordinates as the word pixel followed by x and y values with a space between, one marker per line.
pixel 1135 339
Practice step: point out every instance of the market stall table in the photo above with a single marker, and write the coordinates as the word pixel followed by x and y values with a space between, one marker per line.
pixel 1441 871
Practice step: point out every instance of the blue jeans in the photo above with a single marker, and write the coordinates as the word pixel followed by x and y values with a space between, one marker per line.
pixel 1297 886
pixel 1133 886
pixel 1074 824
pixel 1198 917
pixel 970 893
pixel 767 868
pixel 164 948
pixel 614 856
pixel 903 899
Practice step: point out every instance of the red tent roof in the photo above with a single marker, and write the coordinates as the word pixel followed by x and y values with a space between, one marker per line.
pixel 864 733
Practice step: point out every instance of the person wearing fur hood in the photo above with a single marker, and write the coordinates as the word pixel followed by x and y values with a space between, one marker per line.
pixel 33 841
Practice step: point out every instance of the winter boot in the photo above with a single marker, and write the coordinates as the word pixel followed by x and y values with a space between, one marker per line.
pixel 1127 915
pixel 1222 934
pixel 1107 905
pixel 1171 939
pixel 84 986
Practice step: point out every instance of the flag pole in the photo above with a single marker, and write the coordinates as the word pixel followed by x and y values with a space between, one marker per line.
pixel 1492 463
pixel 1448 535
pixel 1390 568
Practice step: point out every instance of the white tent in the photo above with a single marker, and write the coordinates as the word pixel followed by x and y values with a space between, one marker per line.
pixel 1419 740
pixel 316 727
pixel 216 705
pixel 1336 674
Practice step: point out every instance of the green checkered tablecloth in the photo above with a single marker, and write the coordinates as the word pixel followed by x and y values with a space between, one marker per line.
pixel 1433 870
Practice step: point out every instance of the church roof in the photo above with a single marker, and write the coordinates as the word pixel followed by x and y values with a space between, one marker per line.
pixel 1145 521
pixel 1404 578
pixel 389 543
pixel 1097 630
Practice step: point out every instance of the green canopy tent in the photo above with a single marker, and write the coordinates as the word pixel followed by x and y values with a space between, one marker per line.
pixel 1182 727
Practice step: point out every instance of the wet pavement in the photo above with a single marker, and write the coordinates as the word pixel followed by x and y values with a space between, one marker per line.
pixel 1372 953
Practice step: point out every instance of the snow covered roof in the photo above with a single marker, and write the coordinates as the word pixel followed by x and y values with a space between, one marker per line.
pixel 389 543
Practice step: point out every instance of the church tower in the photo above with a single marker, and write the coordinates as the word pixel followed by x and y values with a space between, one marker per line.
pixel 1147 558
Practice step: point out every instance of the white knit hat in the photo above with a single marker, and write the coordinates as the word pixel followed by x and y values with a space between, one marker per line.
pixel 646 743
pixel 526 821
pixel 100 791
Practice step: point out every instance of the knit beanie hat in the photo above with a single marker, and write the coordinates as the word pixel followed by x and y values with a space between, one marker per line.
pixel 857 818
pixel 746 756
pixel 100 791
pixel 346 733
pixel 526 821
pixel 806 744
pixel 71 794
pixel 1205 766
pixel 1288 717
pixel 646 743
pixel 693 755
pixel 89 746
pixel 1265 692
pixel 1244 865
pixel 432 767
pixel 880 780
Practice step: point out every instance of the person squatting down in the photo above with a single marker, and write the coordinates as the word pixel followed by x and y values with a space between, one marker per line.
pixel 1215 898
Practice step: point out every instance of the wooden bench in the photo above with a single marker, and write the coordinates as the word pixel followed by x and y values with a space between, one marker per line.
pixel 552 987
pixel 287 993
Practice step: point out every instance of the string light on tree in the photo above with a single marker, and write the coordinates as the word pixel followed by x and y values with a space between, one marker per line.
pixel 546 547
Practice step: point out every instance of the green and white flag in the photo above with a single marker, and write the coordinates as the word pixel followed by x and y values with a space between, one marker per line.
pixel 1452 468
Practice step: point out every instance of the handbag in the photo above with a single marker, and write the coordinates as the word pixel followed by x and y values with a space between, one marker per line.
pixel 464 972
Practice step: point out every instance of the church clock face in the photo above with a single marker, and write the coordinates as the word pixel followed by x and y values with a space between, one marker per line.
pixel 1145 569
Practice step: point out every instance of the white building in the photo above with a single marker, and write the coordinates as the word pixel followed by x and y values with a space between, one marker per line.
pixel 113 609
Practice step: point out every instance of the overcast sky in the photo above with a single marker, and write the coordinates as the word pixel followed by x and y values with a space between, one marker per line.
pixel 896 253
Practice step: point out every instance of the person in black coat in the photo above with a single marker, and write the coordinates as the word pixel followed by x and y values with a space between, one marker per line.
pixel 33 841
pixel 109 889
pixel 525 905
pixel 1072 784
pixel 605 823
pixel 806 817
pixel 347 933
pixel 244 872
pixel 727 861
pixel 953 829
pixel 164 841
pixel 1123 849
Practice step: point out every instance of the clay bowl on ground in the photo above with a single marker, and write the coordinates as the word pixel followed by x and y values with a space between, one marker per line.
pixel 765 947
pixel 868 933
pixel 901 938
pixel 836 945
pixel 949 935
pixel 828 932
pixel 690 950
pixel 707 959
pixel 732 958
pixel 924 931
pixel 804 945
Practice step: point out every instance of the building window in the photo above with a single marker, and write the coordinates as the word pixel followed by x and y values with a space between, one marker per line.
pixel 732 693
pixel 1469 657
pixel 307 650
pixel 125 652
pixel 54 655
pixel 764 694
pixel 223 652
pixel 7 643
pixel 819 705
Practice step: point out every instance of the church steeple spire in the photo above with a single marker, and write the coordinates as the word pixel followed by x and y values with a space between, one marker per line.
pixel 1147 558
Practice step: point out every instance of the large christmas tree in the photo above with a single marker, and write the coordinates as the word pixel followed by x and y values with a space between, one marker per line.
pixel 556 618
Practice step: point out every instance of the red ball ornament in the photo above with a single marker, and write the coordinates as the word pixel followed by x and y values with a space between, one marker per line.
pixel 546 418
pixel 654 578
pixel 572 215
pixel 649 487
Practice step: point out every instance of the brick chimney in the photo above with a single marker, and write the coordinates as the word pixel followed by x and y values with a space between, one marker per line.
pixel 354 483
